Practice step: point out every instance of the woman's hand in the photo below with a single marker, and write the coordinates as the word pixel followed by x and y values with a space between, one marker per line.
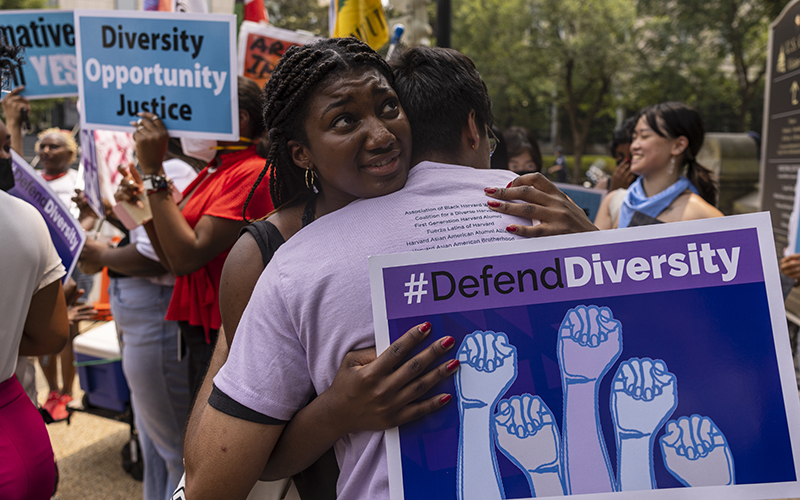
pixel 790 266
pixel 13 104
pixel 622 178
pixel 90 260
pixel 542 201
pixel 81 312
pixel 369 394
pixel 131 187
pixel 151 138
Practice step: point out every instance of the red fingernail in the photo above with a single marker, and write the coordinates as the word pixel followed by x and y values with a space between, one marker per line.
pixel 448 341
pixel 493 203
pixel 489 190
pixel 445 398
pixel 511 229
pixel 452 365
pixel 509 184
pixel 424 327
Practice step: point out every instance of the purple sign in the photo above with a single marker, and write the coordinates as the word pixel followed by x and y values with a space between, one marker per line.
pixel 91 177
pixel 67 234
pixel 604 364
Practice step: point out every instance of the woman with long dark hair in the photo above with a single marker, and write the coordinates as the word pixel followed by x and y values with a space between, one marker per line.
pixel 672 186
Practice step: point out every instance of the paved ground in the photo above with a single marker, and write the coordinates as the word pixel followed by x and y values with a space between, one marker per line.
pixel 89 454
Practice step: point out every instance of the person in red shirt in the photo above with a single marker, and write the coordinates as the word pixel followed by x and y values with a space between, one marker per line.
pixel 192 239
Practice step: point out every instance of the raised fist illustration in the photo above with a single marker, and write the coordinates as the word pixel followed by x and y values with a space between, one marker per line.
pixel 696 452
pixel 643 396
pixel 590 341
pixel 488 367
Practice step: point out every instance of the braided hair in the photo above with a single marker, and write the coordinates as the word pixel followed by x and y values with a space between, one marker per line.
pixel 676 119
pixel 287 94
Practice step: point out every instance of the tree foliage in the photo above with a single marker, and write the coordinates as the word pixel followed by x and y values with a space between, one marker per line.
pixel 306 15
pixel 531 52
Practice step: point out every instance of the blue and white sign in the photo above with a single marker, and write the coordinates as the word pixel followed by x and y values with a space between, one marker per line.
pixel 180 66
pixel 50 68
pixel 67 234
pixel 91 176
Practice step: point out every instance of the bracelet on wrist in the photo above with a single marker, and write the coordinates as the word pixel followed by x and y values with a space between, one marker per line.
pixel 157 183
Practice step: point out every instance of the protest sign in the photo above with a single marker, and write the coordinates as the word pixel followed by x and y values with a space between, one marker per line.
pixel 67 234
pixel 615 364
pixel 48 36
pixel 261 46
pixel 91 175
pixel 588 199
pixel 179 66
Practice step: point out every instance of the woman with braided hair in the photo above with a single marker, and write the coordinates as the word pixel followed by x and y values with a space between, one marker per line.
pixel 337 133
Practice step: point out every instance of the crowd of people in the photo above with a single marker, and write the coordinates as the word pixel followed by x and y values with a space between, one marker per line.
pixel 257 263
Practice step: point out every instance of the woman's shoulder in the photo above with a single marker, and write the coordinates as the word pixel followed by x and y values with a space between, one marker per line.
pixel 698 208
pixel 689 206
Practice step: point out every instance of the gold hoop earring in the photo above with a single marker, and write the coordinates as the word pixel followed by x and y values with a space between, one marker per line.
pixel 309 178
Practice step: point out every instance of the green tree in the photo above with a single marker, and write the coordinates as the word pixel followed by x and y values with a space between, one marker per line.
pixel 500 37
pixel 306 15
pixel 590 42
pixel 717 46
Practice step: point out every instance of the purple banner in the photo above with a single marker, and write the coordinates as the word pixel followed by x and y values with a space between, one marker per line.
pixel 657 265
pixel 67 234
pixel 91 177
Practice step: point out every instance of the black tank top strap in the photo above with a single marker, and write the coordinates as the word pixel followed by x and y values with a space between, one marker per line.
pixel 267 237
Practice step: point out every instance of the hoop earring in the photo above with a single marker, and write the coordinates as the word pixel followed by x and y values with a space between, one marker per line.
pixel 671 166
pixel 310 178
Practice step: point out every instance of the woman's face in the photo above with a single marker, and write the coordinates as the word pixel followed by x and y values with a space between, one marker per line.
pixel 650 152
pixel 53 153
pixel 522 163
pixel 358 137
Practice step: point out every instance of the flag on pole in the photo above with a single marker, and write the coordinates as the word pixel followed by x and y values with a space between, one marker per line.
pixel 363 19
pixel 251 10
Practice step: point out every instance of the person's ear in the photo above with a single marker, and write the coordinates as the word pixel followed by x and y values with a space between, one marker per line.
pixel 300 155
pixel 471 131
pixel 679 145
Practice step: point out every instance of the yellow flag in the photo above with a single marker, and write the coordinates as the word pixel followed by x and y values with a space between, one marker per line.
pixel 363 19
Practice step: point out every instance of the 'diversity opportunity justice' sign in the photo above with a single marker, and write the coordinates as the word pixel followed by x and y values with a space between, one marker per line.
pixel 179 66
pixel 615 364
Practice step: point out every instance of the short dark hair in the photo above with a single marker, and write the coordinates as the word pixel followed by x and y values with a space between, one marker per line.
pixel 623 134
pixel 438 88
pixel 520 140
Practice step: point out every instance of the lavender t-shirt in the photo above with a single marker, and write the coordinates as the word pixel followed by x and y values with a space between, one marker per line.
pixel 312 303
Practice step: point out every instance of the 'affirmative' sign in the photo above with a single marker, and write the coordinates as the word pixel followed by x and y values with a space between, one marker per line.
pixel 178 66
pixel 48 37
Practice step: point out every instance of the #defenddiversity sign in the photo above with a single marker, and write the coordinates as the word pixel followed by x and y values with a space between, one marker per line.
pixel 607 364
pixel 48 36
pixel 179 66
pixel 67 234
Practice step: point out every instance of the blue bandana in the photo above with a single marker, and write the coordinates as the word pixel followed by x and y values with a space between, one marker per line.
pixel 637 201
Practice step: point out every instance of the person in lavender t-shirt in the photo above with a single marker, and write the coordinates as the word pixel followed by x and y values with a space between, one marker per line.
pixel 311 307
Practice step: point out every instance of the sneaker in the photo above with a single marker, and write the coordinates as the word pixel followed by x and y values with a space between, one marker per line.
pixel 59 411
pixel 52 401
